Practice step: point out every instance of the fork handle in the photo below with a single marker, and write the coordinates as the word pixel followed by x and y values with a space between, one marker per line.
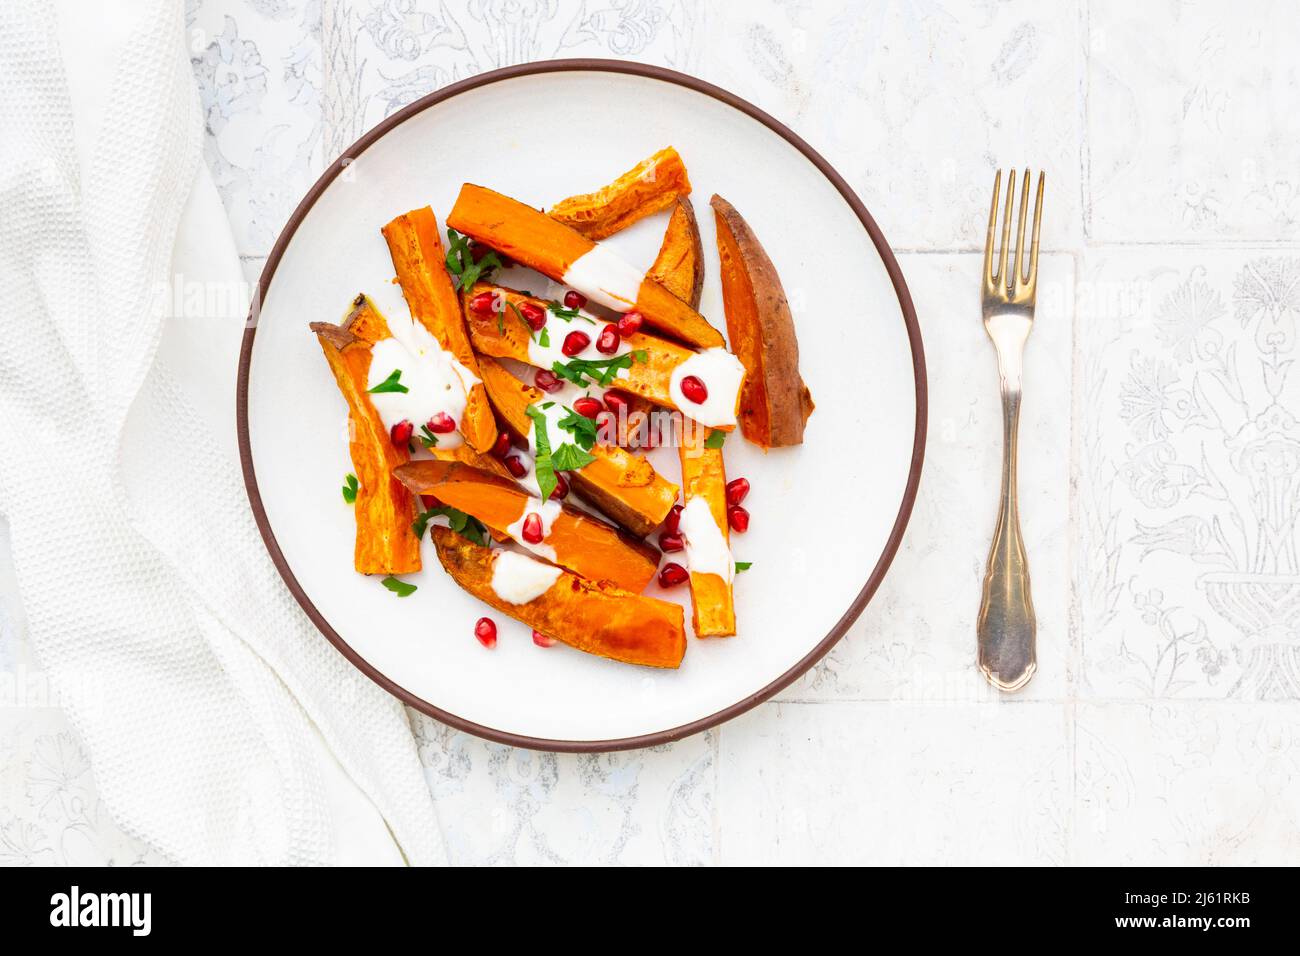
pixel 1006 626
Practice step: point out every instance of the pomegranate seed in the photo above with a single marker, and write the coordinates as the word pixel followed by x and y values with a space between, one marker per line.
pixel 629 323
pixel 607 341
pixel 485 303
pixel 671 541
pixel 672 574
pixel 533 529
pixel 515 465
pixel 574 299
pixel 401 432
pixel 673 521
pixel 502 445
pixel 575 342
pixel 738 518
pixel 561 487
pixel 430 501
pixel 616 400
pixel 485 629
pixel 542 640
pixel 534 315
pixel 694 389
pixel 546 380
pixel 737 489
pixel 442 423
pixel 588 407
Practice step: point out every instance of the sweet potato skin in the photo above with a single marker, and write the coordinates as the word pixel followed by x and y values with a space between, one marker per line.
pixel 593 616
pixel 713 609
pixel 774 401
pixel 384 509
pixel 535 240
pixel 679 266
pixel 653 184
pixel 582 543
pixel 622 485
pixel 419 261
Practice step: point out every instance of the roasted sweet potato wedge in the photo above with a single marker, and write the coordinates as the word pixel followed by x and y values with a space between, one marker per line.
pixel 645 189
pixel 704 476
pixel 650 379
pixel 534 239
pixel 774 401
pixel 679 266
pixel 574 539
pixel 593 616
pixel 385 543
pixel 622 485
pixel 420 263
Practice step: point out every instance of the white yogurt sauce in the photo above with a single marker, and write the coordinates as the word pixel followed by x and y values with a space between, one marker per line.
pixel 605 278
pixel 721 373
pixel 518 579
pixel 706 548
pixel 548 511
pixel 435 380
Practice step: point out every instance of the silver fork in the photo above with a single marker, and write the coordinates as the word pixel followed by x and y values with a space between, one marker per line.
pixel 1006 626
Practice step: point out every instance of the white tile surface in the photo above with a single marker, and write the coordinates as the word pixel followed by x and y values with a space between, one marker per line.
pixel 1161 461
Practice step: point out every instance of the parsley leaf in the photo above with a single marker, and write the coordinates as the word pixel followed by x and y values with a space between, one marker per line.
pixel 427 438
pixel 582 428
pixel 391 384
pixel 715 439
pixel 544 339
pixel 604 371
pixel 350 489
pixel 398 587
pixel 466 525
pixel 569 457
pixel 545 470
pixel 744 565
pixel 460 262
pixel 568 315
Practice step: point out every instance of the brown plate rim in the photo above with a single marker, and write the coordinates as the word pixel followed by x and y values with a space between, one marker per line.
pixel 918 368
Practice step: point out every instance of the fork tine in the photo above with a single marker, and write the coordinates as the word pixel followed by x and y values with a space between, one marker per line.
pixel 1006 228
pixel 1038 221
pixel 1017 278
pixel 993 228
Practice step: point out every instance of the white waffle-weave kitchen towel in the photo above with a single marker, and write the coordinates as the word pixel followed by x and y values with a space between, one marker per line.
pixel 221 727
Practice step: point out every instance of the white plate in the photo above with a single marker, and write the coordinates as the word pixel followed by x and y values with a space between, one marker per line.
pixel 827 516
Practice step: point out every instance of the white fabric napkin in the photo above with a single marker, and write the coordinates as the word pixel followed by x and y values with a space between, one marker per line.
pixel 222 728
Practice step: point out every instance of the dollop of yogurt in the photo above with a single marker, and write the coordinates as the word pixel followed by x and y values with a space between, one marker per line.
pixel 605 278
pixel 435 381
pixel 706 548
pixel 722 374
pixel 518 579
pixel 547 511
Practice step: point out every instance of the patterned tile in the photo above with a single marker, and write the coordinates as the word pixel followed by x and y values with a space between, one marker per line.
pixel 257 64
pixel 918 103
pixel 1189 474
pixel 1203 783
pixel 916 640
pixel 500 805
pixel 895 783
pixel 1191 121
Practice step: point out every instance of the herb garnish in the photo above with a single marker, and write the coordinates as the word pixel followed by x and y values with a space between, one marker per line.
pixel 391 384
pixel 569 457
pixel 460 262
pixel 568 315
pixel 427 438
pixel 744 565
pixel 544 339
pixel 350 489
pixel 542 466
pixel 715 439
pixel 465 525
pixel 398 587
pixel 604 371
pixel 582 428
